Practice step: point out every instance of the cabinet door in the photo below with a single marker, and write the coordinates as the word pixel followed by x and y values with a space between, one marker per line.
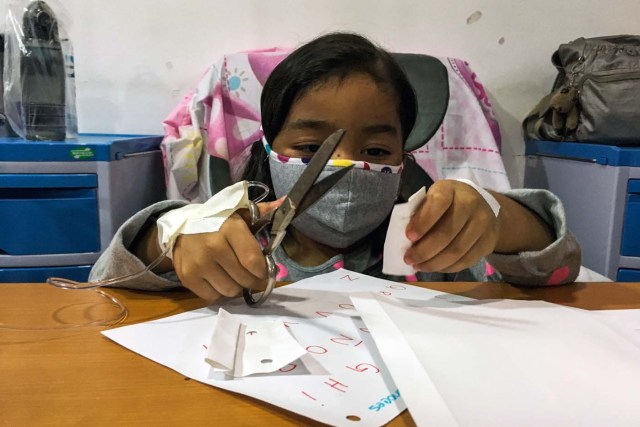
pixel 631 228
pixel 48 214
pixel 628 275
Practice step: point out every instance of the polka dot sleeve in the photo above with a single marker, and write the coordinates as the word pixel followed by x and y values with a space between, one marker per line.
pixel 558 263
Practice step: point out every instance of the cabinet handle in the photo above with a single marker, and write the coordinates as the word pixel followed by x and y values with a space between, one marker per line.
pixel 120 156
pixel 555 156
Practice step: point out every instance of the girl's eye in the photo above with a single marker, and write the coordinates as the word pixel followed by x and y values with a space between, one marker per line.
pixel 376 152
pixel 307 148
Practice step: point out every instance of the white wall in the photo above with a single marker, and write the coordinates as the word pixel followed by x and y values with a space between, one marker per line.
pixel 135 59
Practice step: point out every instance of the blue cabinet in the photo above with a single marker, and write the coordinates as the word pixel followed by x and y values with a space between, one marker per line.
pixel 61 202
pixel 599 186
pixel 631 228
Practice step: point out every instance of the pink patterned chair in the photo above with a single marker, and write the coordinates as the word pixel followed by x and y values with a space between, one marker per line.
pixel 208 135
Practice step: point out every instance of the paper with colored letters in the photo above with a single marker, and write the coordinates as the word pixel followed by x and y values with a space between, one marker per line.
pixel 341 378
pixel 453 360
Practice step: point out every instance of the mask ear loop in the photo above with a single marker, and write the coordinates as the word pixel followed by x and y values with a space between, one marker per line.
pixel 69 284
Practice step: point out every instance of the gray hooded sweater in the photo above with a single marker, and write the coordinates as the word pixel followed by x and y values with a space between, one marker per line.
pixel 557 264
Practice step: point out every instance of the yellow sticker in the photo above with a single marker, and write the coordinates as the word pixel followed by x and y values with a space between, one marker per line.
pixel 341 163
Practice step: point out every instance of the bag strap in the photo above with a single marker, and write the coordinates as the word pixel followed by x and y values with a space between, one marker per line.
pixel 533 122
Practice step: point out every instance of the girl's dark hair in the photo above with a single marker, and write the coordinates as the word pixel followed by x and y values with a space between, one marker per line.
pixel 333 55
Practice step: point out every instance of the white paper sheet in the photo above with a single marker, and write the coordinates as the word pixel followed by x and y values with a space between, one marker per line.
pixel 624 322
pixel 506 363
pixel 342 373
pixel 627 318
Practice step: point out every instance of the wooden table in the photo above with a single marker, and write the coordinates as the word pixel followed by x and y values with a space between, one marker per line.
pixel 79 377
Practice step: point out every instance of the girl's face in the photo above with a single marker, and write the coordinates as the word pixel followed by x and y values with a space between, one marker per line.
pixel 356 104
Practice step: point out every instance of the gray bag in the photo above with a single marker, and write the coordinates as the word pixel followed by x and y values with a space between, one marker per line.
pixel 596 95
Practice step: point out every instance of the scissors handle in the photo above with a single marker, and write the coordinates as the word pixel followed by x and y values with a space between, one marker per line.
pixel 248 293
pixel 258 223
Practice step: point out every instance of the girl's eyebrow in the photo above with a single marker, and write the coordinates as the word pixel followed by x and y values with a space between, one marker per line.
pixel 322 125
pixel 380 128
pixel 304 124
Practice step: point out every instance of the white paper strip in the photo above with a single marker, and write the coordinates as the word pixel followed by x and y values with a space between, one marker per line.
pixel 396 243
pixel 255 347
pixel 418 391
pixel 488 197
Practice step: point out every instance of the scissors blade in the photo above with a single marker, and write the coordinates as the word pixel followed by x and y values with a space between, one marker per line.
pixel 315 166
pixel 287 210
pixel 321 188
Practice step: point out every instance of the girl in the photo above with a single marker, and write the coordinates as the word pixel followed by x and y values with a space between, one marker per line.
pixel 343 81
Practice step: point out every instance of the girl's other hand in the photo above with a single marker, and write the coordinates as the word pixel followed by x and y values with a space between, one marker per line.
pixel 452 230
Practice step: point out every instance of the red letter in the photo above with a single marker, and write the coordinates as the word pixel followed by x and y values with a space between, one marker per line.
pixel 362 367
pixel 336 384
pixel 322 349
pixel 341 338
pixel 310 397
pixel 293 366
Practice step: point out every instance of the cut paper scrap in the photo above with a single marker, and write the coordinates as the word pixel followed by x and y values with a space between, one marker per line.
pixel 396 242
pixel 340 377
pixel 255 347
pixel 506 362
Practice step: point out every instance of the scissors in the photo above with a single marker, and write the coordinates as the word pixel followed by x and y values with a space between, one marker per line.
pixel 305 192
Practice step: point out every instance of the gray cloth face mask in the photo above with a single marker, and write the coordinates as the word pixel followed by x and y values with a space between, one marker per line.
pixel 352 209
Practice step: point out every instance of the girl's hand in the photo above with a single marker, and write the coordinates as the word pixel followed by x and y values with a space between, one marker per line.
pixel 452 229
pixel 224 262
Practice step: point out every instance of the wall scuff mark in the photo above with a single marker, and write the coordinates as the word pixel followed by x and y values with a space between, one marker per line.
pixel 474 17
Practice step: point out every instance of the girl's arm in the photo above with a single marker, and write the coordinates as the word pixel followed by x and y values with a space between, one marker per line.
pixel 520 229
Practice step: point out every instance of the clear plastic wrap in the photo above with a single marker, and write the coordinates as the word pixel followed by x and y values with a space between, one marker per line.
pixel 39 75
